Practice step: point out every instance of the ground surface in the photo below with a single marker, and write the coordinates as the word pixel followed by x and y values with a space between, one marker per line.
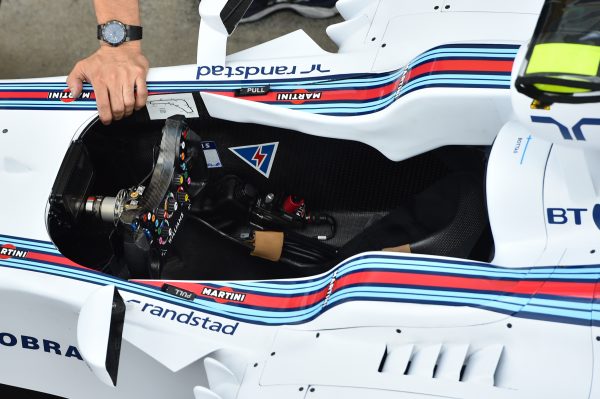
pixel 46 38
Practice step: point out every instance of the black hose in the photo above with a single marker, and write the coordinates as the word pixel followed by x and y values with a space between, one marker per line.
pixel 244 244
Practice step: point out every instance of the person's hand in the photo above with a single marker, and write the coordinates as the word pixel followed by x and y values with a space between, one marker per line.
pixel 118 75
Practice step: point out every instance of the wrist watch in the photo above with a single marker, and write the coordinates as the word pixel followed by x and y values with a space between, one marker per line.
pixel 116 33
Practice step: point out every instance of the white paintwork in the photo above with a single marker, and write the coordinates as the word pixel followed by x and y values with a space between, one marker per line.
pixel 212 34
pixel 393 130
pixel 221 380
pixel 162 358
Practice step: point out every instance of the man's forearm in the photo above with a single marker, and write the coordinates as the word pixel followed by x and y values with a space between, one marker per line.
pixel 117 73
pixel 126 11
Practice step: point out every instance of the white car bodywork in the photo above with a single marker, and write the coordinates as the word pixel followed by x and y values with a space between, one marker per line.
pixel 378 325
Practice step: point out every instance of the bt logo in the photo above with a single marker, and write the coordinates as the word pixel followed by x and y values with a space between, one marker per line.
pixel 572 215
pixel 562 216
pixel 564 130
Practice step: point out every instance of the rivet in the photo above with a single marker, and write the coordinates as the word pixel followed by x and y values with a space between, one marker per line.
pixel 509 325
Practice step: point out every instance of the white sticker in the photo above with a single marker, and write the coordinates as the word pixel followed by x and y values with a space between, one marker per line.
pixel 211 155
pixel 163 106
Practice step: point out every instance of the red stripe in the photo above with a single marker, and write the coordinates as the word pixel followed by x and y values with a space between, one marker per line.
pixel 328 95
pixel 251 299
pixel 459 66
pixel 525 287
pixel 25 95
pixel 61 260
pixel 578 290
pixel 35 95
pixel 331 95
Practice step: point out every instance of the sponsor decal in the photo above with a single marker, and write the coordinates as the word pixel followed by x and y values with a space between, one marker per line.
pixel 573 133
pixel 566 215
pixel 223 295
pixel 31 343
pixel 401 83
pixel 260 157
pixel 67 97
pixel 596 215
pixel 8 251
pixel 246 72
pixel 192 318
pixel 211 154
pixel 330 288
pixel 299 96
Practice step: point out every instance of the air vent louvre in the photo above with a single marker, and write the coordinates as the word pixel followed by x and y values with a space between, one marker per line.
pixel 482 364
pixel 424 361
pixel 397 359
pixel 450 362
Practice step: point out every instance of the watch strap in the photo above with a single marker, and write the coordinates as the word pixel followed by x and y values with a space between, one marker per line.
pixel 133 32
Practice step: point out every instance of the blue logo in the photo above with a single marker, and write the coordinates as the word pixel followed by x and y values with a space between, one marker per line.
pixel 260 157
pixel 563 216
pixel 596 215
pixel 577 129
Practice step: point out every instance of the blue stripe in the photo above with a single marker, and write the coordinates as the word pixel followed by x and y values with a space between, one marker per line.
pixel 450 80
pixel 543 308
pixel 30 245
pixel 466 57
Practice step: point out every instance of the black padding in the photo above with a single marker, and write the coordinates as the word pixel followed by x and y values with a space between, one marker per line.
pixel 467 221
pixel 115 337
pixel 446 219
pixel 233 12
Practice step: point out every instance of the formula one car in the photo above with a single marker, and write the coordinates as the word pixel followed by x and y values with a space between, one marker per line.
pixel 416 215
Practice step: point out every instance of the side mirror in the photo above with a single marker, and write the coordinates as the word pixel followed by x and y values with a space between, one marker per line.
pixel 100 332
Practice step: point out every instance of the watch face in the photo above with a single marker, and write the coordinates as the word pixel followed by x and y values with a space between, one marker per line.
pixel 114 33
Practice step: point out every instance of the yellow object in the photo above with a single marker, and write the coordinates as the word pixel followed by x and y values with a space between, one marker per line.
pixel 569 58
pixel 564 59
